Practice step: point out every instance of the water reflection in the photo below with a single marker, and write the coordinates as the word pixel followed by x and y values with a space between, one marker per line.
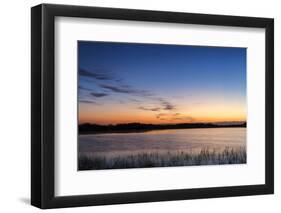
pixel 187 140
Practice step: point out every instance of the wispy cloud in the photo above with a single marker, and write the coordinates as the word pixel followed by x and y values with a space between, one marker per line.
pixel 87 102
pixel 174 117
pixel 98 95
pixel 166 105
pixel 126 89
pixel 84 88
pixel 98 75
pixel 160 115
pixel 154 109
pixel 185 118
pixel 134 100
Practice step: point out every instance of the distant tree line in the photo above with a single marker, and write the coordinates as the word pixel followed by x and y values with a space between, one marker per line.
pixel 87 128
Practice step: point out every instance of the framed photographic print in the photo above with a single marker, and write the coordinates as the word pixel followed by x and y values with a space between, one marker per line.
pixel 139 106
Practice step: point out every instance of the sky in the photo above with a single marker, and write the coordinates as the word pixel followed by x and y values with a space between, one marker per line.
pixel 158 83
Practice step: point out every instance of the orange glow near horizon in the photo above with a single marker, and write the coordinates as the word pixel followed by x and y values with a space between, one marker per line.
pixel 121 113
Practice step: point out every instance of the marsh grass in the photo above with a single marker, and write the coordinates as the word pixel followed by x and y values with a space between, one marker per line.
pixel 205 156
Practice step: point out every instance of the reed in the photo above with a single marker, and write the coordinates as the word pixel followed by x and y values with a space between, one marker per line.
pixel 205 156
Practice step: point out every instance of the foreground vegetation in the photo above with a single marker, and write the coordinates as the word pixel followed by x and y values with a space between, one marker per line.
pixel 155 159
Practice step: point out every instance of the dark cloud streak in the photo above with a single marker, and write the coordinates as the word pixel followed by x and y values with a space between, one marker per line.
pixel 87 102
pixel 126 89
pixel 166 105
pixel 174 117
pixel 84 88
pixel 155 109
pixel 98 95
pixel 95 75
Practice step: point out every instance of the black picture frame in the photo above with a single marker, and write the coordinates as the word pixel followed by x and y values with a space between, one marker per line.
pixel 43 111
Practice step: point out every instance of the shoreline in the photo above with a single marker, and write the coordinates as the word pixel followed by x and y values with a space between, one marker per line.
pixel 148 130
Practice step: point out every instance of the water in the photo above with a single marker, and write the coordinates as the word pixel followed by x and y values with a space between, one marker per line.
pixel 186 140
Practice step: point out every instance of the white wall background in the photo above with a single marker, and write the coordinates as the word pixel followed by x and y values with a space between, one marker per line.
pixel 15 105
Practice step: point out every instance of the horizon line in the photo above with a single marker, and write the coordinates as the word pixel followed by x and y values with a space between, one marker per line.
pixel 217 122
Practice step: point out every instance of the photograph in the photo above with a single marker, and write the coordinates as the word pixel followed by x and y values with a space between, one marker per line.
pixel 160 105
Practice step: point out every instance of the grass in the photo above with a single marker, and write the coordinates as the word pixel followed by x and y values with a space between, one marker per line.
pixel 145 160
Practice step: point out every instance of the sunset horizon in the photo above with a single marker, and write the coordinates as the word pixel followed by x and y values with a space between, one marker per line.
pixel 160 84
pixel 168 123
